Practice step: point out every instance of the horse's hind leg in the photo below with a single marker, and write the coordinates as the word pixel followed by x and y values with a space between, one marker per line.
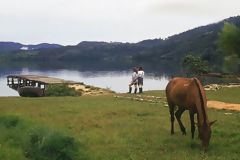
pixel 191 113
pixel 178 115
pixel 171 110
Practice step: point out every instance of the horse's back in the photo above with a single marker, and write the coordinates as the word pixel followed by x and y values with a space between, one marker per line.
pixel 177 91
pixel 178 85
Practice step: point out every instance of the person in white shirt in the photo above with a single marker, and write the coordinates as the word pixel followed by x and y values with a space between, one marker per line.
pixel 134 80
pixel 140 79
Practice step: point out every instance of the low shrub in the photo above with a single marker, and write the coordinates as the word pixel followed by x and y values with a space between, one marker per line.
pixel 19 138
pixel 9 121
pixel 61 90
pixel 49 145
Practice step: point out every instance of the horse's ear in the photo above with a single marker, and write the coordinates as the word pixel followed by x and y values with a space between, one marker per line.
pixel 211 123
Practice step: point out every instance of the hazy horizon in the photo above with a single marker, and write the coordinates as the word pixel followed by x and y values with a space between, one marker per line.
pixel 68 22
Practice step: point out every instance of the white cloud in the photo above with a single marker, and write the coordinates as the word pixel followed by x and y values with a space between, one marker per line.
pixel 72 21
pixel 197 7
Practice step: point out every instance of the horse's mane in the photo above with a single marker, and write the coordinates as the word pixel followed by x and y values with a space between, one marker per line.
pixel 201 94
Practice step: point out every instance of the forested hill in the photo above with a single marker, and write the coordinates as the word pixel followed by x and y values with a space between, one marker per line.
pixel 202 41
pixel 150 53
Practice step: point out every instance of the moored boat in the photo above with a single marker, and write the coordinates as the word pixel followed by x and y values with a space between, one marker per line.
pixel 30 91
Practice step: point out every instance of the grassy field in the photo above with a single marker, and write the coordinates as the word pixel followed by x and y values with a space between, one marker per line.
pixel 225 95
pixel 107 128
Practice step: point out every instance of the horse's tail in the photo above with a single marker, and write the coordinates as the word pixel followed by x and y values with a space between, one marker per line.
pixel 202 97
pixel 200 88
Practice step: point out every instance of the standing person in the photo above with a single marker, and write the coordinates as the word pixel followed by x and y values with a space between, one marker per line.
pixel 140 79
pixel 134 80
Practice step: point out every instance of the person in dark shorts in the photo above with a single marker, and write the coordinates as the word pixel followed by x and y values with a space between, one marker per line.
pixel 134 81
pixel 140 79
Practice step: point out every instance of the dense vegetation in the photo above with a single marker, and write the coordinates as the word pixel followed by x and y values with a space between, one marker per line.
pixel 106 128
pixel 154 54
pixel 61 90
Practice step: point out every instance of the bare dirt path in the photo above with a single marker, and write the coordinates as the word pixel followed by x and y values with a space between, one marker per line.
pixel 223 105
pixel 219 104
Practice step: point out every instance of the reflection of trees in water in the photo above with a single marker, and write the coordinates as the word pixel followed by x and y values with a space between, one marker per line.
pixel 166 68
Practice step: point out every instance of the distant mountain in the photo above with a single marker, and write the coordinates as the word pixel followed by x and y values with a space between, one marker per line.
pixel 12 46
pixel 145 43
pixel 9 46
pixel 201 41
pixel 149 43
pixel 153 53
pixel 43 46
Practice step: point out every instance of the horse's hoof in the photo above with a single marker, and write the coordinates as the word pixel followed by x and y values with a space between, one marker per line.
pixel 183 130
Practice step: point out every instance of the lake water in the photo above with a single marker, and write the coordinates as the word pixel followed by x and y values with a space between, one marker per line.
pixel 115 80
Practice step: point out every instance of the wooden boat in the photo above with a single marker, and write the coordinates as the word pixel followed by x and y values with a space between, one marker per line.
pixel 29 91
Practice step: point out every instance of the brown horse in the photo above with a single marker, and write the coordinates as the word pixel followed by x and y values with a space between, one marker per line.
pixel 188 94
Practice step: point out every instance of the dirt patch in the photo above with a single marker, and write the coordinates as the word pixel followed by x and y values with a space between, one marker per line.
pixel 223 105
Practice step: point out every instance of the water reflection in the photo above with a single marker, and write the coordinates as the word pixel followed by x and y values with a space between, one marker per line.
pixel 115 80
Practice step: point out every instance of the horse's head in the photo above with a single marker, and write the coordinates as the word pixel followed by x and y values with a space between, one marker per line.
pixel 205 134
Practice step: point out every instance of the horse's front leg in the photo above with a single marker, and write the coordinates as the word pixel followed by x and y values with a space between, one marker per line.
pixel 178 115
pixel 191 114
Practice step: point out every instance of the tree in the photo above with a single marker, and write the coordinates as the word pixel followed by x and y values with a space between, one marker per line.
pixel 229 39
pixel 229 43
pixel 194 65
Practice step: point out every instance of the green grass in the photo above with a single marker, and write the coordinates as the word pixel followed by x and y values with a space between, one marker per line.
pixel 231 95
pixel 117 129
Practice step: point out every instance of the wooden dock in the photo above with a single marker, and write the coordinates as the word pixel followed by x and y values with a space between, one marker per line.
pixel 34 82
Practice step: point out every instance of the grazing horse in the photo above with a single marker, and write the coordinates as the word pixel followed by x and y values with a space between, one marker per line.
pixel 188 94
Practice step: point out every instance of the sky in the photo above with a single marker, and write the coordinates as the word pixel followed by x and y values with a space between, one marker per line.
pixel 69 22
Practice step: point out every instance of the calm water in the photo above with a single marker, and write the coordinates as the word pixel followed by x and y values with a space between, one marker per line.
pixel 114 80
